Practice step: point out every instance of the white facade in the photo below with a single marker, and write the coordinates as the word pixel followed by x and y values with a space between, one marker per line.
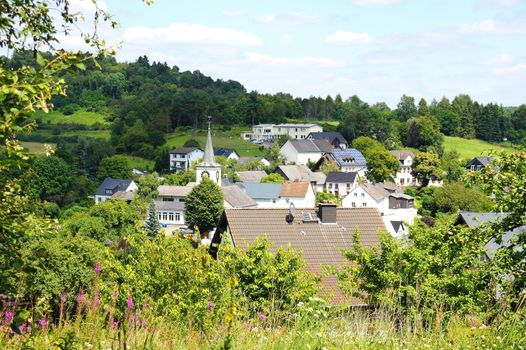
pixel 359 197
pixel 271 132
pixel 340 189
pixel 183 161
pixel 403 175
pixel 292 155
pixel 308 201
pixel 108 193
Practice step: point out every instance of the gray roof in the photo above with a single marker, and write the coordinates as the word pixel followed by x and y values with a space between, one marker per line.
pixel 380 190
pixel 402 154
pixel 328 135
pixel 125 196
pixel 251 176
pixel 472 219
pixel 480 160
pixel 184 150
pixel 168 205
pixel 115 185
pixel 305 145
pixel 340 177
pixel 348 156
pixel 245 160
pixel 401 195
pixel 237 198
pixel 208 157
pixel 261 190
pixel 174 191
pixel 397 225
pixel 301 172
pixel 224 152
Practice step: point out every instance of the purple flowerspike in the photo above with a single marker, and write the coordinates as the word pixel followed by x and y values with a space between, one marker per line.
pixel 80 298
pixel 63 296
pixel 8 317
pixel 129 302
pixel 261 316
pixel 4 297
pixel 114 323
pixel 97 269
pixel 96 299
pixel 210 305
pixel 29 329
pixel 42 323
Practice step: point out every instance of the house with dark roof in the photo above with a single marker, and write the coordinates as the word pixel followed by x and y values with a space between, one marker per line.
pixel 478 163
pixel 303 173
pixel 347 160
pixel 228 153
pixel 403 175
pixel 110 186
pixel 304 151
pixel 319 233
pixel 508 239
pixel 340 184
pixel 335 138
pixel 388 198
pixel 181 158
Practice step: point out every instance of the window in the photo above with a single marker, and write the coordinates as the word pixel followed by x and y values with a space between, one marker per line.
pixel 336 186
pixel 165 216
pixel 363 195
pixel 355 195
pixel 348 185
pixel 296 129
pixel 183 156
pixel 177 216
pixel 159 216
pixel 330 186
pixel 472 168
pixel 364 204
pixel 108 191
pixel 353 204
pixel 170 216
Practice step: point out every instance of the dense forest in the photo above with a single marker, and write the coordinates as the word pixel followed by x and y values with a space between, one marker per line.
pixel 145 100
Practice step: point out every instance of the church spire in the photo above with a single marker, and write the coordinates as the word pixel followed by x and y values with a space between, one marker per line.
pixel 209 158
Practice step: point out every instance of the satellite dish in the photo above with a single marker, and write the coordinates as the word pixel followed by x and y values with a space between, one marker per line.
pixel 292 209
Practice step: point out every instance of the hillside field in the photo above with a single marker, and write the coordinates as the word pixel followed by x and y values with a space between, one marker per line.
pixel 470 148
pixel 79 117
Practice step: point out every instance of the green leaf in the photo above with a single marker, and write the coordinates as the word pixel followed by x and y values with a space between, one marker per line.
pixel 80 66
pixel 40 60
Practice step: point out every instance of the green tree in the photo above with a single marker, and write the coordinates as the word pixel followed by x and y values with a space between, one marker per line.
pixel 423 133
pixel 116 167
pixel 53 178
pixel 204 205
pixel 148 185
pixel 426 166
pixel 406 108
pixel 326 197
pixel 381 165
pixel 328 167
pixel 423 108
pixel 273 178
pixel 151 224
pixel 191 142
pixel 452 166
pixel 463 106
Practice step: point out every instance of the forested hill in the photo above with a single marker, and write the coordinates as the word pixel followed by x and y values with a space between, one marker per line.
pixel 145 100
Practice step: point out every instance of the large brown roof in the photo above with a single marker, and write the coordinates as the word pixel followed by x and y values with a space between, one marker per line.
pixel 321 243
pixel 294 189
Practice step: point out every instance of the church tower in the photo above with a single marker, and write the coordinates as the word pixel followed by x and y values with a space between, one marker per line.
pixel 208 167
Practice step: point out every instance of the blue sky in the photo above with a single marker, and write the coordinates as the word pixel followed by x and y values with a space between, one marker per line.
pixel 376 49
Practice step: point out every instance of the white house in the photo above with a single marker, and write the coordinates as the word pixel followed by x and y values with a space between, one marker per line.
pixel 304 151
pixel 303 173
pixel 110 186
pixel 181 159
pixel 403 175
pixel 228 153
pixel 340 184
pixel 271 132
pixel 170 205
pixel 347 160
pixel 266 195
pixel 386 197
pixel 300 193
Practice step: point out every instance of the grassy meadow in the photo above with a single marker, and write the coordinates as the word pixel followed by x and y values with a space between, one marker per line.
pixel 470 148
pixel 79 117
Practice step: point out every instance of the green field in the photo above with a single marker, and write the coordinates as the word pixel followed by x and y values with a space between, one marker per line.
pixel 79 117
pixel 97 134
pixel 140 163
pixel 228 139
pixel 37 147
pixel 470 148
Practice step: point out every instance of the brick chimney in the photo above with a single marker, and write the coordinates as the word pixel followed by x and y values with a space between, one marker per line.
pixel 327 213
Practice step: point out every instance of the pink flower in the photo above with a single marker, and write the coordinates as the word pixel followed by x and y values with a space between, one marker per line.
pixel 42 323
pixel 261 316
pixel 97 269
pixel 129 302
pixel 63 296
pixel 8 316
pixel 96 299
pixel 80 298
pixel 210 305
pixel 114 323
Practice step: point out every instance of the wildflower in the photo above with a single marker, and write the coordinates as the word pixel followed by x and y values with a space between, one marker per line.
pixel 42 323
pixel 114 324
pixel 129 302
pixel 145 305
pixel 8 316
pixel 63 296
pixel 96 299
pixel 115 295
pixel 97 269
pixel 80 298
pixel 261 316
pixel 210 305
pixel 4 297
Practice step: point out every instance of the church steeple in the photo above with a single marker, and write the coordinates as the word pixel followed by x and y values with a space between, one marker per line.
pixel 209 158
pixel 208 167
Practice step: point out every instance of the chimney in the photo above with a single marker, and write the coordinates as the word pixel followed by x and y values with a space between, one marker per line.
pixel 327 213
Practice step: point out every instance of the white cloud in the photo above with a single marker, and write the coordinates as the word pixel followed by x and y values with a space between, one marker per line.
pixel 321 62
pixel 375 2
pixel 497 2
pixel 292 18
pixel 502 58
pixel 511 71
pixel 344 38
pixel 183 33
pixel 493 27
pixel 232 13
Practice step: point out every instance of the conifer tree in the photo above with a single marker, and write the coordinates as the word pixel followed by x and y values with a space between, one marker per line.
pixel 152 224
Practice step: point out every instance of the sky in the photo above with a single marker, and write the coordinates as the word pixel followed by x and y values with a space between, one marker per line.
pixel 376 49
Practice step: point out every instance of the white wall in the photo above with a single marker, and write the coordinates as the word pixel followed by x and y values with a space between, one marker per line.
pixel 170 217
pixel 342 188
pixel 188 159
pixel 292 156
pixel 359 196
